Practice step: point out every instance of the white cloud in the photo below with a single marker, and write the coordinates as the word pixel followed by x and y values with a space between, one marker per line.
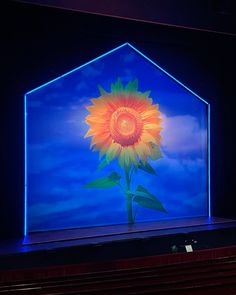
pixel 182 134
pixel 178 166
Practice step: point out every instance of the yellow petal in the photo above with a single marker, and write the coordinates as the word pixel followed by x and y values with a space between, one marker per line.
pixel 142 150
pixel 147 137
pixel 95 119
pixel 113 151
pixel 89 133
pixel 121 159
pixel 150 113
pixel 132 155
pixel 101 140
pixel 153 120
pixel 154 126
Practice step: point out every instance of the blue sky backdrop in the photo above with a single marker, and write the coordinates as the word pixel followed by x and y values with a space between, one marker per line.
pixel 60 162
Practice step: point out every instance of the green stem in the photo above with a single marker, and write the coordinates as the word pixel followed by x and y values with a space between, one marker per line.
pixel 135 212
pixel 128 197
pixel 131 172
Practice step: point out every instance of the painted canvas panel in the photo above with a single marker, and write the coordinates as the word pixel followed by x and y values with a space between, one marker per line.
pixel 117 140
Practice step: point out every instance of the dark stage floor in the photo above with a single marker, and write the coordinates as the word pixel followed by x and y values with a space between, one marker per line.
pixel 117 233
pixel 83 236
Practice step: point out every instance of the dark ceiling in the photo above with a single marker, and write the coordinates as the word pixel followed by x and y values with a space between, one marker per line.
pixel 211 15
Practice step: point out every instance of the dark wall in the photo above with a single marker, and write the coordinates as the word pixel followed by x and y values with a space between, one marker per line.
pixel 212 15
pixel 40 43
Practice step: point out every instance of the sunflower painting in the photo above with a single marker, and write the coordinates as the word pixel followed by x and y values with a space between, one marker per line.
pixel 102 149
pixel 125 126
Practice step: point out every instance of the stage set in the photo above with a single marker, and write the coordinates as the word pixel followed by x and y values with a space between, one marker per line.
pixel 119 157
pixel 118 242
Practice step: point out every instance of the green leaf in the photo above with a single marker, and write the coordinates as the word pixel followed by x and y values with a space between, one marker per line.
pixel 103 164
pixel 132 86
pixel 146 167
pixel 149 203
pixel 117 87
pixel 105 182
pixel 114 176
pixel 102 91
pixel 145 199
pixel 156 152
pixel 146 93
pixel 142 191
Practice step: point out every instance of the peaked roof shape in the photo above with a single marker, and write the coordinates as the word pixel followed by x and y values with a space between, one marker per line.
pixel 115 49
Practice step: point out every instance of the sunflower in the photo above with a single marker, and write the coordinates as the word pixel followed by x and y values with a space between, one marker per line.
pixel 124 124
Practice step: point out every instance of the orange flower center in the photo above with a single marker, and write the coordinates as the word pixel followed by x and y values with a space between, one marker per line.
pixel 126 126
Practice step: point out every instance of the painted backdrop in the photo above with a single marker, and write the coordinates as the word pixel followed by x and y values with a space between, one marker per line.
pixel 114 141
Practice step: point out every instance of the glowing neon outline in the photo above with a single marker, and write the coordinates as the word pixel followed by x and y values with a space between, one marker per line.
pixel 79 67
pixel 209 158
pixel 160 68
pixel 87 63
pixel 25 174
